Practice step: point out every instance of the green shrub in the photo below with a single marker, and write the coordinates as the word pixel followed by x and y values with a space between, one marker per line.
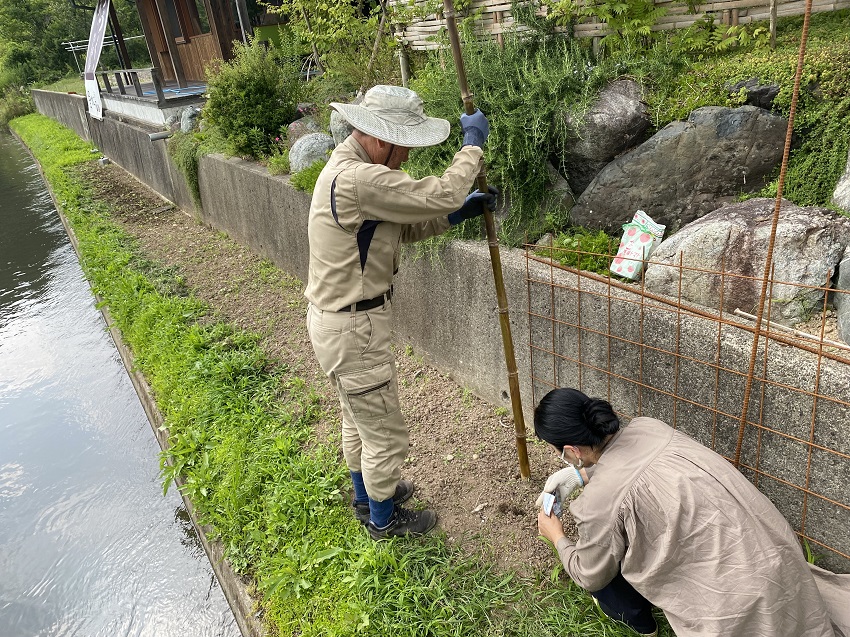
pixel 15 103
pixel 524 89
pixel 629 22
pixel 185 150
pixel 252 96
pixel 279 162
pixel 306 179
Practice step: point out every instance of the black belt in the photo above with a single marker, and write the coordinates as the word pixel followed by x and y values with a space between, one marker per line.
pixel 368 304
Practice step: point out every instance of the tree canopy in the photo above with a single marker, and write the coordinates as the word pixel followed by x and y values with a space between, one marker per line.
pixel 32 32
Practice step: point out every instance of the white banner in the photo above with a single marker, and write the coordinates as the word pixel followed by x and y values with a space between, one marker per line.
pixel 98 29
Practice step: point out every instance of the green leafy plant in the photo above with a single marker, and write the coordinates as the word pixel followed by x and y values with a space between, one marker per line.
pixel 279 161
pixel 629 22
pixel 306 179
pixel 186 150
pixel 583 249
pixel 252 96
pixel 704 37
pixel 524 89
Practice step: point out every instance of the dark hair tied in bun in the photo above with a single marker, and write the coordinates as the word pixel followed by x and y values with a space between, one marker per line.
pixel 568 417
pixel 600 418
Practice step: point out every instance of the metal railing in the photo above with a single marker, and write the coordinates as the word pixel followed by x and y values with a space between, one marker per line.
pixel 125 78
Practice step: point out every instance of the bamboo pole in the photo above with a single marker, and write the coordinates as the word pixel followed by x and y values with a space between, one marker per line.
pixel 495 258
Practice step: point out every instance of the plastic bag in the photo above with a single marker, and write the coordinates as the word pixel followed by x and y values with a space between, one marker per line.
pixel 640 238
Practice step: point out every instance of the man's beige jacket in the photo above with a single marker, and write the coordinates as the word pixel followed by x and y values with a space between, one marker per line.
pixel 362 212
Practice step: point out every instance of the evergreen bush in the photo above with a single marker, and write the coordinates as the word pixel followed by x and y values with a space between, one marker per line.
pixel 252 96
pixel 524 89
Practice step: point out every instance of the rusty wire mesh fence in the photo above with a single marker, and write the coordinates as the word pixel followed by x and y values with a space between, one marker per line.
pixel 683 355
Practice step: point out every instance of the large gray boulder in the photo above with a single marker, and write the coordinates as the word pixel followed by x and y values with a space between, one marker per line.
pixel 301 127
pixel 310 149
pixel 559 195
pixel 841 196
pixel 687 169
pixel 188 119
pixel 757 94
pixel 340 128
pixel 615 123
pixel 842 299
pixel 734 239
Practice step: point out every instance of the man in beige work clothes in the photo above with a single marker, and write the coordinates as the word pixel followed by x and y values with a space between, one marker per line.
pixel 363 209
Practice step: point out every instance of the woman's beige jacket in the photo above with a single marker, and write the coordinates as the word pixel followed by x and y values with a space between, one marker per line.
pixel 694 537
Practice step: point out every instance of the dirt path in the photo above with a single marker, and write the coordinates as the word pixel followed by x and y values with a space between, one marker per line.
pixel 462 456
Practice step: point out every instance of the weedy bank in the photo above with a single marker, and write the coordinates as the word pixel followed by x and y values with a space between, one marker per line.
pixel 240 427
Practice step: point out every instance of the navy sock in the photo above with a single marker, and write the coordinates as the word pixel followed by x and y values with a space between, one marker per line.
pixel 360 495
pixel 380 511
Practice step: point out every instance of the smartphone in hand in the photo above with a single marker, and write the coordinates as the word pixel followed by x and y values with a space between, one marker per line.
pixel 551 504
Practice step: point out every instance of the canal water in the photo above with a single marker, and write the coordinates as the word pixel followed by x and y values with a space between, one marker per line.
pixel 88 544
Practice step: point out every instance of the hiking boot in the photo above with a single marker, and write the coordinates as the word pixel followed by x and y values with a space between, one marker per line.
pixel 404 522
pixel 403 490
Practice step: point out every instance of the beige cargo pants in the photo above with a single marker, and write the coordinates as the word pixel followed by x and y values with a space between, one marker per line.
pixel 353 349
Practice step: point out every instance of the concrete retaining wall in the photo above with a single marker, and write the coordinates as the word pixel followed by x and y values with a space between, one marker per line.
pixel 124 140
pixel 446 307
pixel 66 108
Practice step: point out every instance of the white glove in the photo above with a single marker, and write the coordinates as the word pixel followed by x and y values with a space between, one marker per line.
pixel 562 483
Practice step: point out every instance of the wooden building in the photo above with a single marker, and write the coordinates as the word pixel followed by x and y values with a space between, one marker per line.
pixel 183 36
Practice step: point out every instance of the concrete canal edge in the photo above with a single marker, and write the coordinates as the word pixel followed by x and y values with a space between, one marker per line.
pixel 235 587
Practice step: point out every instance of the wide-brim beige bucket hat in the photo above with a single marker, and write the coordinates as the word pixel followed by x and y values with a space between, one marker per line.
pixel 396 115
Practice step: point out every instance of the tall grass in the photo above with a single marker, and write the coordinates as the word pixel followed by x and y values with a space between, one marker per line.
pixel 240 429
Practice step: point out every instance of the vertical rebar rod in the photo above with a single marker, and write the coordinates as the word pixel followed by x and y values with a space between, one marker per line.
pixel 678 342
pixel 815 393
pixel 772 241
pixel 608 330
pixel 552 309
pixel 718 352
pixel 641 346
pixel 578 315
pixel 760 435
pixel 495 257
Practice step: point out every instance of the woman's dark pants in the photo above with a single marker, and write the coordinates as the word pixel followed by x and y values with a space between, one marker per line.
pixel 620 601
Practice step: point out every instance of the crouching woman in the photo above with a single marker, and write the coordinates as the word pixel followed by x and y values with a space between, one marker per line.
pixel 663 521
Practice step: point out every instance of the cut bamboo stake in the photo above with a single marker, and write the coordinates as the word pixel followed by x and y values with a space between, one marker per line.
pixel 495 258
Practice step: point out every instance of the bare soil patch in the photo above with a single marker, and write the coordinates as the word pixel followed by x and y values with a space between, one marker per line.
pixel 462 455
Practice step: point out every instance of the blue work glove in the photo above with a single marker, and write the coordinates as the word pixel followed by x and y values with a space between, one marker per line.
pixel 474 205
pixel 475 129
